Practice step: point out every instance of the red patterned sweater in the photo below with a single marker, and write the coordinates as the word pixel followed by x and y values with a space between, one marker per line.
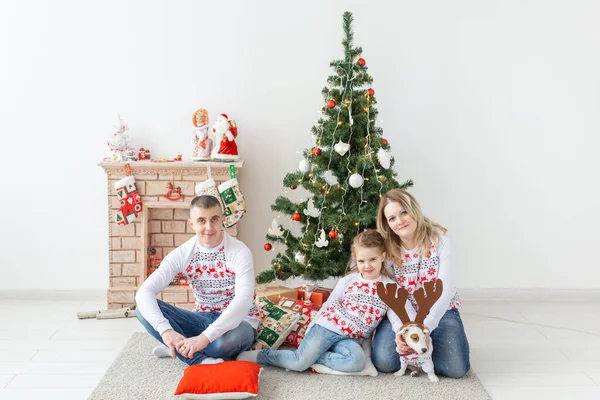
pixel 440 262
pixel 354 309
pixel 222 279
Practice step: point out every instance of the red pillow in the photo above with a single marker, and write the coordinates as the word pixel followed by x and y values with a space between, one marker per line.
pixel 308 311
pixel 226 380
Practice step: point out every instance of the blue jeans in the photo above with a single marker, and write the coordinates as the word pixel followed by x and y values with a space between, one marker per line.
pixel 190 323
pixel 321 346
pixel 450 347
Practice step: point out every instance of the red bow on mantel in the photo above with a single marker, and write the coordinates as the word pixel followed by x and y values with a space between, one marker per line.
pixel 171 191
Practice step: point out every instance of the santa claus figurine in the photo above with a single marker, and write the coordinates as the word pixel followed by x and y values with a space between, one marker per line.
pixel 225 132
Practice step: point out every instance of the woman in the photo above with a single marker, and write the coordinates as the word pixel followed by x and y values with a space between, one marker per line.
pixel 421 252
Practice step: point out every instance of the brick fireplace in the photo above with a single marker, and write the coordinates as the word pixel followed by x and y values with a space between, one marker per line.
pixel 162 224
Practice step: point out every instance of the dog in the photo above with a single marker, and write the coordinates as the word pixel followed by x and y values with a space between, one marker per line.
pixel 416 336
pixel 413 333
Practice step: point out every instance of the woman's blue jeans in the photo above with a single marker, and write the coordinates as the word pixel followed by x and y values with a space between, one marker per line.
pixel 450 347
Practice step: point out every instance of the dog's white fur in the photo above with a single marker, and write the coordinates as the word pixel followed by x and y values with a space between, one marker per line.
pixel 417 337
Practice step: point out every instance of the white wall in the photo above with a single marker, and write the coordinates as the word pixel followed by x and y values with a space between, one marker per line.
pixel 490 107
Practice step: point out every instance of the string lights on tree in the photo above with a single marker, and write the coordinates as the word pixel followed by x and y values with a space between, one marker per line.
pixel 344 173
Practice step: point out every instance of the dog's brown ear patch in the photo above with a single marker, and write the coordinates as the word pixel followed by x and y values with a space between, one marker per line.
pixel 414 337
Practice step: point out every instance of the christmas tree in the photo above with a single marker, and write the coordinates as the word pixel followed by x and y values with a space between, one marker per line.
pixel 345 173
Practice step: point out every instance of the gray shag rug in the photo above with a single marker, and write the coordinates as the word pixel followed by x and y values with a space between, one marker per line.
pixel 137 374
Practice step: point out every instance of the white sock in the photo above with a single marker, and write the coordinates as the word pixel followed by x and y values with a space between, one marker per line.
pixel 161 351
pixel 251 355
pixel 210 360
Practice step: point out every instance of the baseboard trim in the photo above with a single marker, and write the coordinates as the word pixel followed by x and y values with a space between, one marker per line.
pixel 531 295
pixel 55 295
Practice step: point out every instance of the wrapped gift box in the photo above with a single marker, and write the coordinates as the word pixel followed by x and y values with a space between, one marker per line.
pixel 275 292
pixel 318 296
pixel 309 312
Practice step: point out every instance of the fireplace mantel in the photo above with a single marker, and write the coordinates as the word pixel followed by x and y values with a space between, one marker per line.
pixel 162 223
pixel 190 168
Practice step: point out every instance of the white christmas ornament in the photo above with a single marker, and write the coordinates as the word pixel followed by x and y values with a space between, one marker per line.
pixel 311 211
pixel 322 242
pixel 275 229
pixel 384 158
pixel 299 257
pixel 330 177
pixel 304 165
pixel 341 148
pixel 356 181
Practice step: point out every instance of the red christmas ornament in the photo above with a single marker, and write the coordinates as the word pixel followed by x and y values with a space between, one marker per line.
pixel 384 141
pixel 296 217
pixel 293 187
pixel 331 104
pixel 268 246
pixel 371 92
pixel 361 62
pixel 316 151
pixel 333 234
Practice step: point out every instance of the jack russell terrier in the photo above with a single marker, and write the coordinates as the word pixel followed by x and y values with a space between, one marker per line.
pixel 413 333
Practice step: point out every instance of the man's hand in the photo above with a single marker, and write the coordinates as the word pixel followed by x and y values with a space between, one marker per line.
pixel 172 340
pixel 192 345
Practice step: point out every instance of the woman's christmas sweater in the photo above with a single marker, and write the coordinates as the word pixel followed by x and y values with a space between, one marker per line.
pixel 440 262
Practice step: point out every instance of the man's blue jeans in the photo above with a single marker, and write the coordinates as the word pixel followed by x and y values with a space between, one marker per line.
pixel 321 346
pixel 450 347
pixel 190 323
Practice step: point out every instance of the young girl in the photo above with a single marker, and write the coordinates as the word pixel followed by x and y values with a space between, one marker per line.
pixel 350 315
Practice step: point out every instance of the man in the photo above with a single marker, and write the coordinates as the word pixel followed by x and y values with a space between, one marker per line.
pixel 220 271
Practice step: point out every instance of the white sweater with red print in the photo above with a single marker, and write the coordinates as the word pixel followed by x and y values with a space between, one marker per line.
pixel 440 262
pixel 423 362
pixel 354 309
pixel 222 279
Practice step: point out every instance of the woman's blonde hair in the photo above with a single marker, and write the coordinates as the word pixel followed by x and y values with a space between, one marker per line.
pixel 373 240
pixel 425 232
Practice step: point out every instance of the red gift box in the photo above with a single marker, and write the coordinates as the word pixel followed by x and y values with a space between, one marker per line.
pixel 308 311
pixel 318 296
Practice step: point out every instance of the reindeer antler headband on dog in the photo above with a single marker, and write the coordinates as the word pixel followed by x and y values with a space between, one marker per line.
pixel 395 298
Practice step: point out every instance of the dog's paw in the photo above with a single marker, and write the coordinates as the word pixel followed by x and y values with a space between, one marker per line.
pixel 414 373
pixel 433 378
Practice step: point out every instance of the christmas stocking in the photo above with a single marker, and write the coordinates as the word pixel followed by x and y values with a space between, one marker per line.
pixel 130 199
pixel 235 206
pixel 208 187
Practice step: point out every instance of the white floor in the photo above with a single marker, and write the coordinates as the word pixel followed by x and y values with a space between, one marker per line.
pixel 520 350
